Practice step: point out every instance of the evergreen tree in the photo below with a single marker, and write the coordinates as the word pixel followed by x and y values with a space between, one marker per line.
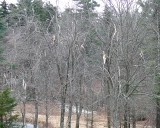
pixel 86 6
pixel 2 32
pixel 7 104
pixel 41 11
pixel 86 10
pixel 4 9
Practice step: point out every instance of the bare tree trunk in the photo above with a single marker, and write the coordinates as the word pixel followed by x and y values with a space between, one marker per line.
pixel 92 114
pixel 79 106
pixel 158 114
pixel 133 118
pixel 46 99
pixel 64 91
pixel 120 121
pixel 108 115
pixel 70 114
pixel 46 107
pixel 63 96
pixel 63 102
pixel 36 115
pixel 157 9
pixel 78 114
pixel 77 120
pixel 24 113
pixel 129 118
pixel 107 83
pixel 92 120
pixel 108 105
pixel 125 117
pixel 87 124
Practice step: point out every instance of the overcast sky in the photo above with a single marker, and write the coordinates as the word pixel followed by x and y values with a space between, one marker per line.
pixel 62 4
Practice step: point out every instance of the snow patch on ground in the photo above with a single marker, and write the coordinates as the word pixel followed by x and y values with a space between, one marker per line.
pixel 28 125
pixel 74 110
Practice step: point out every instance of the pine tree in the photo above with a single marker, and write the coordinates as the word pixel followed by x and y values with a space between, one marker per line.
pixel 4 9
pixel 86 6
pixel 2 31
pixel 7 104
pixel 86 9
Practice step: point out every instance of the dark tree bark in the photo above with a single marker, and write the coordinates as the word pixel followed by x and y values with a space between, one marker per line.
pixel 70 114
pixel 63 103
pixel 78 114
pixel 36 115
pixel 157 15
pixel 133 118
pixel 24 114
pixel 158 114
pixel 79 105
pixel 47 113
pixel 46 108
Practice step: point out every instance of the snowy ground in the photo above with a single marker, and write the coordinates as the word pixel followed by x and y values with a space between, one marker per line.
pixel 74 110
pixel 28 125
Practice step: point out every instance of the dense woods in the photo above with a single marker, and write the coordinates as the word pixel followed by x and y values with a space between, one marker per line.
pixel 82 62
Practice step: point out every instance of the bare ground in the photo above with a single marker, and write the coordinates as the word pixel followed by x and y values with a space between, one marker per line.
pixel 54 117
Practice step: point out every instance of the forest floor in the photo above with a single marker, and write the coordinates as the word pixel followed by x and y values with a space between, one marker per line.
pixel 54 117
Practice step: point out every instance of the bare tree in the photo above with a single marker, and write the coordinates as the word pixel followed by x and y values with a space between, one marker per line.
pixel 121 61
